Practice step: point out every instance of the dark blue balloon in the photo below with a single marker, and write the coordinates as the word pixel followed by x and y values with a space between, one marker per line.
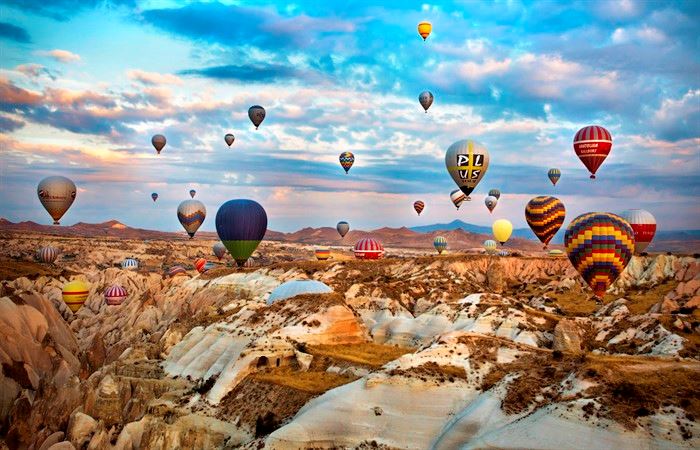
pixel 241 225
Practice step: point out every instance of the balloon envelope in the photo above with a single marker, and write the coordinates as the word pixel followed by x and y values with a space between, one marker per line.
pixel 193 193
pixel 256 114
pixel 554 175
pixel 191 214
pixel 241 225
pixel 491 202
pixel 322 253
pixel 219 250
pixel 440 244
pixel 56 195
pixel 158 142
pixel 154 196
pixel 346 159
pixel 457 197
pixel 490 246
pixel 599 246
pixel 502 230
pixel 419 206
pixel 643 224
pixel 545 215
pixel 426 99
pixel 47 254
pixel 495 193
pixel 343 228
pixel 592 145
pixel 424 29
pixel 115 295
pixel 467 162
pixel 130 264
pixel 368 248
pixel 75 293
pixel 229 138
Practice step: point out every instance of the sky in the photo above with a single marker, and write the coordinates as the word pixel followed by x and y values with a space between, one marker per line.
pixel 85 84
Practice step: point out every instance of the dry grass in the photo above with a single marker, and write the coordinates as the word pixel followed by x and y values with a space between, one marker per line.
pixel 309 382
pixel 366 354
pixel 640 301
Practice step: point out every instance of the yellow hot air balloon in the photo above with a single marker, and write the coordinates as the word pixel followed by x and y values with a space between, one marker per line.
pixel 502 229
pixel 75 293
pixel 424 29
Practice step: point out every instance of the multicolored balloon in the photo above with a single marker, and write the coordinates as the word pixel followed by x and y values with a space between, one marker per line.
pixel 56 195
pixel 75 293
pixel 191 214
pixel 343 228
pixel 241 225
pixel 154 196
pixel 192 193
pixel 199 264
pixel 457 197
pixel 495 193
pixel 322 253
pixel 130 264
pixel 643 224
pixel 599 246
pixel 490 201
pixel 426 99
pixel 554 175
pixel 219 250
pixel 490 246
pixel 467 162
pixel 419 206
pixel 556 253
pixel 229 138
pixel 592 145
pixel 47 254
pixel 347 159
pixel 115 295
pixel 158 141
pixel 440 244
pixel 424 29
pixel 176 270
pixel 256 114
pixel 545 215
pixel 368 248
pixel 502 230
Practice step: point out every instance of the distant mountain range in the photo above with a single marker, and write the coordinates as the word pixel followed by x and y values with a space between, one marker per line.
pixel 460 235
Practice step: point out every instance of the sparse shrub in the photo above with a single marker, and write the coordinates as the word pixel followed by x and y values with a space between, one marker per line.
pixel 557 355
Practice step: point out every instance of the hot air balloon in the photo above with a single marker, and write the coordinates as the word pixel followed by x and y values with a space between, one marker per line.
pixel 554 175
pixel 75 293
pixel 424 29
pixel 229 138
pixel 347 159
pixel 440 244
pixel 241 225
pixel 599 246
pixel 545 215
pixel 192 193
pixel 191 214
pixel 426 99
pixel 176 270
pixel 56 194
pixel 199 264
pixel 47 254
pixel 219 250
pixel 467 162
pixel 644 226
pixel 556 253
pixel 457 198
pixel 250 262
pixel 130 264
pixel 368 248
pixel 115 295
pixel 256 113
pixel 490 246
pixel 502 229
pixel 343 228
pixel 495 193
pixel 592 145
pixel 503 253
pixel 322 253
pixel 158 141
pixel 419 206
pixel 490 201
pixel 154 196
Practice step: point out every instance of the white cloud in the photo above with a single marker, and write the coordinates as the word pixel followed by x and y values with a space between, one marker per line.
pixel 153 78
pixel 59 55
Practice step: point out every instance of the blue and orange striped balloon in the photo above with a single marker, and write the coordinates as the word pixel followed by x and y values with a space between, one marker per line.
pixel 599 246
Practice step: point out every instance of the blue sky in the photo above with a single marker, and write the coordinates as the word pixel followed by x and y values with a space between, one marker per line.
pixel 84 85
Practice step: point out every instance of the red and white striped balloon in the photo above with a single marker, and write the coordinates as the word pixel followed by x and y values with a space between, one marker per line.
pixel 592 145
pixel 199 264
pixel 644 226
pixel 115 295
pixel 368 248
pixel 47 254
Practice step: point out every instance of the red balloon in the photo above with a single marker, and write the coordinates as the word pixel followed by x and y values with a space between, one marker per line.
pixel 592 145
